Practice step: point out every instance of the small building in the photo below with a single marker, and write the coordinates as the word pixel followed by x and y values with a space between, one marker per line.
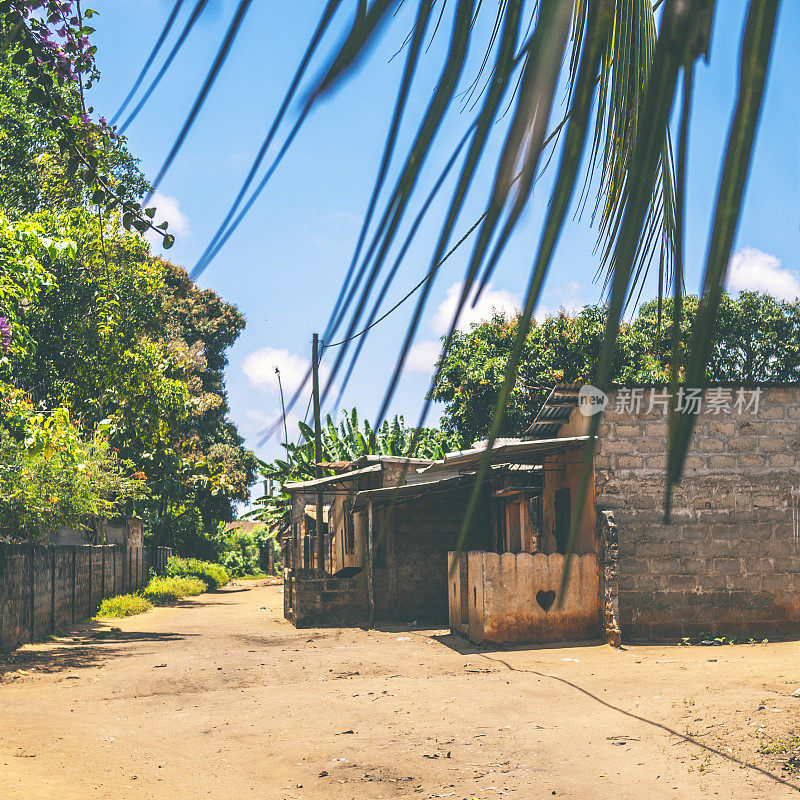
pixel 728 562
pixel 391 523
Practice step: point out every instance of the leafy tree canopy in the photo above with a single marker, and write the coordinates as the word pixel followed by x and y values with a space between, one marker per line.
pixel 100 327
pixel 757 339
pixel 55 152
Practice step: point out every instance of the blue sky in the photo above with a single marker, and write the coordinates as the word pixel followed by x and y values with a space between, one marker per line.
pixel 284 265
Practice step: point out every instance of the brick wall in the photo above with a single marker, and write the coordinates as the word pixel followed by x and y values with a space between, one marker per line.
pixel 420 535
pixel 44 588
pixel 729 562
pixel 312 602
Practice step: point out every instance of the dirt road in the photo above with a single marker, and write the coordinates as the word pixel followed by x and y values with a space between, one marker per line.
pixel 221 697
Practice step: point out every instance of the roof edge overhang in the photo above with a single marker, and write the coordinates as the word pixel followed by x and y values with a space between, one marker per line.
pixel 505 451
pixel 294 486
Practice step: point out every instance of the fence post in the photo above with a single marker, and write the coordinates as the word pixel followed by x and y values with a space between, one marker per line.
pixel 52 590
pixel 74 580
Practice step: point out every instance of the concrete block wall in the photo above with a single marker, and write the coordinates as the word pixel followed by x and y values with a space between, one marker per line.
pixel 43 588
pixel 323 602
pixel 729 562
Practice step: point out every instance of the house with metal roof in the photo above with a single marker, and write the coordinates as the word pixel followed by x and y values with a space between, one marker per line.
pixel 391 523
pixel 727 562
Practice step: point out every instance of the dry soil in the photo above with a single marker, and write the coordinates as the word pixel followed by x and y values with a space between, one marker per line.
pixel 221 697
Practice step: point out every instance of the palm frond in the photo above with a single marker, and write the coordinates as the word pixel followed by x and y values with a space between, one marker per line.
pixel 757 42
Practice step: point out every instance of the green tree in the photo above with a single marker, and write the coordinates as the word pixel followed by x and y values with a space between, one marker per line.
pixel 51 476
pixel 117 334
pixel 53 154
pixel 97 325
pixel 34 173
pixel 757 339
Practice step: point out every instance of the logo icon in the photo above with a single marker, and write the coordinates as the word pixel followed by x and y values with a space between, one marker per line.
pixel 591 400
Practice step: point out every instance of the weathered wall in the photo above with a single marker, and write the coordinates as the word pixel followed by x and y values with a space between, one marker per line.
pixel 419 536
pixel 608 562
pixel 121 530
pixel 730 561
pixel 511 597
pixel 563 471
pixel 320 602
pixel 43 588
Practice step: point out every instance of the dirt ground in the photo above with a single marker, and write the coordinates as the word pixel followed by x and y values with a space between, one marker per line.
pixel 220 697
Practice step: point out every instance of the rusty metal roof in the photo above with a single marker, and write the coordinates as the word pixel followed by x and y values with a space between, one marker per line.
pixel 555 411
pixel 293 486
pixel 508 451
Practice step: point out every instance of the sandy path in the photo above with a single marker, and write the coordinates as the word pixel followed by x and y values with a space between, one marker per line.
pixel 222 698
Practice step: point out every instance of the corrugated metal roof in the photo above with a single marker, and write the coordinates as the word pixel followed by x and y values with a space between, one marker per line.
pixel 393 493
pixel 450 480
pixel 555 411
pixel 510 450
pixel 293 486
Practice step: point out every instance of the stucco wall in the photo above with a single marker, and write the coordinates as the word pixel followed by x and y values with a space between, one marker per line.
pixel 729 563
pixel 511 597
pixel 562 471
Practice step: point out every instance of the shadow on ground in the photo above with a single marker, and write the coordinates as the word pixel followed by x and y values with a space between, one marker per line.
pixel 90 645
pixel 463 646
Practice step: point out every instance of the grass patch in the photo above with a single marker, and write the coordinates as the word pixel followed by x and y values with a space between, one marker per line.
pixel 123 605
pixel 161 591
pixel 213 575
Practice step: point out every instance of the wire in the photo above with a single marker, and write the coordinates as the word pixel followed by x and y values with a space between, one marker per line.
pixel 447 255
pixel 148 63
pixel 402 300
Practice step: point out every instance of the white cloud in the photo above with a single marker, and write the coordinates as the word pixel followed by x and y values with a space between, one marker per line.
pixel 753 270
pixel 491 300
pixel 422 356
pixel 259 367
pixel 168 209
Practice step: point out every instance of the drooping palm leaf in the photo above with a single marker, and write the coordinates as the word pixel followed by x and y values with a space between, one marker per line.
pixel 639 200
pixel 757 41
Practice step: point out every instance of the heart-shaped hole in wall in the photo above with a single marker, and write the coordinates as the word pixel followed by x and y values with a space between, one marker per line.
pixel 546 599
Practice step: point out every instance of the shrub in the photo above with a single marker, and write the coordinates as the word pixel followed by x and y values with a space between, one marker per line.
pixel 168 590
pixel 50 476
pixel 123 605
pixel 239 553
pixel 246 552
pixel 213 575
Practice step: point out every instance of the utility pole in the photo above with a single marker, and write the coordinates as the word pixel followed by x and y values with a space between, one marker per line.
pixel 317 451
pixel 370 566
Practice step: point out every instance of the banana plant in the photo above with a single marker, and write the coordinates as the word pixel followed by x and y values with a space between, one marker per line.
pixel 345 442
